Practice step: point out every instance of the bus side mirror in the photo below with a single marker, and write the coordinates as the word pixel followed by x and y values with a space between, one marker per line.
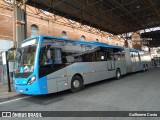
pixel 11 54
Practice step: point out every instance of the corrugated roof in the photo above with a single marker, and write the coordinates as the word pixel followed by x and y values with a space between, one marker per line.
pixel 114 16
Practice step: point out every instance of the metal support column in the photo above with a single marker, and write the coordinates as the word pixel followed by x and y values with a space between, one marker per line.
pixel 8 75
pixel 14 23
pixel 20 22
pixel 126 44
pixel 24 18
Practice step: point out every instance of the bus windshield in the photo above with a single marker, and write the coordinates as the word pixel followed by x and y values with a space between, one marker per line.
pixel 24 60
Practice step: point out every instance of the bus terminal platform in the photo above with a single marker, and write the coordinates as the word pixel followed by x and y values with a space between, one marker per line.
pixel 5 95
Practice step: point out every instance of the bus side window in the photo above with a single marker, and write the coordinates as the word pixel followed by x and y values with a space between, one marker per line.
pixel 42 56
pixel 57 56
pixel 122 56
pixel 100 54
pixel 78 58
pixel 139 57
pixel 132 54
pixel 116 53
pixel 70 59
pixel 50 56
pixel 108 55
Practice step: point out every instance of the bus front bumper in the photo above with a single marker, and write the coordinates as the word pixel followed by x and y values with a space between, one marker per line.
pixel 28 89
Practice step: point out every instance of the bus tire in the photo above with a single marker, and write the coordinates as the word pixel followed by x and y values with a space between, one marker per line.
pixel 118 74
pixel 76 84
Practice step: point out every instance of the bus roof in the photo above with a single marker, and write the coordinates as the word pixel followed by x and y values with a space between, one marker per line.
pixel 137 50
pixel 85 43
pixel 76 41
pixel 93 43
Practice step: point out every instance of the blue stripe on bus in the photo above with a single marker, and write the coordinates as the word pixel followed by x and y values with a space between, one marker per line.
pixel 79 67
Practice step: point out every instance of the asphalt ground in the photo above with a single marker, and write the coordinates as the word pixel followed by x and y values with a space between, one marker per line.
pixel 139 91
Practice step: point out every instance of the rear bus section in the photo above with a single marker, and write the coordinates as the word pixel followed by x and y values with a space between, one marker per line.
pixel 137 60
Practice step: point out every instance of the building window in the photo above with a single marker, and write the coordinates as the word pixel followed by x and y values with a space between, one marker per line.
pixel 64 34
pixel 34 30
pixel 83 38
pixel 97 40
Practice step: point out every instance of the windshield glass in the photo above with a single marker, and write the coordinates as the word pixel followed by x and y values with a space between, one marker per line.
pixel 24 60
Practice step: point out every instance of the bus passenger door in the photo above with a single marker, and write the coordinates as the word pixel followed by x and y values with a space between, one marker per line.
pixel 53 69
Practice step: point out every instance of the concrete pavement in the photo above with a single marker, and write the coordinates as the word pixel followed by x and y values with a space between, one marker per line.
pixel 133 92
pixel 5 95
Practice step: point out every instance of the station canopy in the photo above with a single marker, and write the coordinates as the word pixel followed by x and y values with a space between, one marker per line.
pixel 113 16
pixel 153 37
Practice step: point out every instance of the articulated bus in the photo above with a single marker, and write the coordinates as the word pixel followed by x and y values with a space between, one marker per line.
pixel 46 64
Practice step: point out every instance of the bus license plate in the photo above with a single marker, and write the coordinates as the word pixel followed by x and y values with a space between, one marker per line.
pixel 21 91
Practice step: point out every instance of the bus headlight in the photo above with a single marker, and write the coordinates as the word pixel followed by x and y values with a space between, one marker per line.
pixel 32 79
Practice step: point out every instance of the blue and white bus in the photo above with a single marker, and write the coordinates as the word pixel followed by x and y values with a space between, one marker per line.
pixel 46 64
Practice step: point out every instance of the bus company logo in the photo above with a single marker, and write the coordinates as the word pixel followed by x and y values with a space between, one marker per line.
pixel 6 114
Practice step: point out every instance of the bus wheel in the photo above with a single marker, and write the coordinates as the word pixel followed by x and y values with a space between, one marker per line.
pixel 118 74
pixel 76 83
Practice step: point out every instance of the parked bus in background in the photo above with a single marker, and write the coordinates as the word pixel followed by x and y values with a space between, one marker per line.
pixel 48 64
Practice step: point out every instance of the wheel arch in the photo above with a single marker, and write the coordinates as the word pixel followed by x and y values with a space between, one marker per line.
pixel 70 79
pixel 118 69
pixel 78 74
pixel 73 89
